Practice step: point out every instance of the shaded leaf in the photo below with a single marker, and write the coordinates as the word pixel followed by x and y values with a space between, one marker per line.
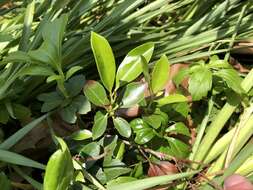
pixel 37 70
pixel 68 114
pixel 14 158
pixel 82 104
pixel 75 85
pixel 5 183
pixel 51 101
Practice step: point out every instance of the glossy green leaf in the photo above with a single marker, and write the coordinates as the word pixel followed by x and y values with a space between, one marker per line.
pixel 5 183
pixel 131 66
pixel 150 182
pixel 81 135
pixel 14 158
pixel 100 124
pixel 95 93
pixel 104 59
pixel 145 70
pixel 144 133
pixel 133 94
pixel 59 170
pixel 122 126
pixel 160 74
pixel 178 128
pixel 72 71
pixel 13 139
pixel 173 98
pixel 37 70
pixel 179 148
pixel 68 114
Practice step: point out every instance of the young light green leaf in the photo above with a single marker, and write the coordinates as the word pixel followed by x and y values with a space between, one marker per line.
pixel 178 128
pixel 232 79
pixel 81 135
pixel 122 127
pixel 160 74
pixel 72 71
pixel 104 60
pixel 131 66
pixel 14 158
pixel 53 78
pixel 200 82
pixel 95 93
pixel 133 94
pixel 100 124
pixel 59 170
pixel 173 98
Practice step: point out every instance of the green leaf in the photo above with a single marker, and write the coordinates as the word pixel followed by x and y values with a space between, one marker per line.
pixel 81 135
pixel 232 79
pixel 17 57
pixel 72 71
pixel 20 111
pixel 68 114
pixel 114 169
pixel 133 94
pixel 75 85
pixel 200 82
pixel 100 124
pixel 160 74
pixel 4 115
pixel 144 133
pixel 178 128
pixel 36 70
pixel 82 104
pixel 13 139
pixel 14 158
pixel 51 101
pixel 131 66
pixel 95 93
pixel 53 78
pixel 173 98
pixel 59 170
pixel 104 60
pixel 179 148
pixel 181 75
pixel 150 182
pixel 154 120
pixel 145 70
pixel 5 183
pixel 122 126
